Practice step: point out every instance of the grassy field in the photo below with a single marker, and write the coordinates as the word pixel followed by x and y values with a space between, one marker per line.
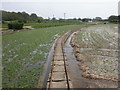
pixel 25 53
pixel 99 45
pixel 42 25
pixel 50 24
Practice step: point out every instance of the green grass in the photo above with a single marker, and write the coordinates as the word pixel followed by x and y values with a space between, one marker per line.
pixel 50 24
pixel 43 25
pixel 25 53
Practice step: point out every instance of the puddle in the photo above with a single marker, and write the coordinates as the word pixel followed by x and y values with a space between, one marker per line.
pixel 75 73
pixel 99 49
pixel 101 56
pixel 47 67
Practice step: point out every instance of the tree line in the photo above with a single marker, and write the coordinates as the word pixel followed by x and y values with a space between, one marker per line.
pixel 114 19
pixel 20 16
pixel 16 20
pixel 25 17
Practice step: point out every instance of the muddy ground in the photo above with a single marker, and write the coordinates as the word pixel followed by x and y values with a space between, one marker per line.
pixel 107 71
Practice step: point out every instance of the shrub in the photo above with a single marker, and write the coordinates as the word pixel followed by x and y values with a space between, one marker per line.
pixel 22 21
pixel 15 25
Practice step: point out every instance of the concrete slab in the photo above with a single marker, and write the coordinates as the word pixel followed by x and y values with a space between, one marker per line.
pixel 58 51
pixel 58 76
pixel 58 69
pixel 58 58
pixel 58 54
pixel 59 63
pixel 62 84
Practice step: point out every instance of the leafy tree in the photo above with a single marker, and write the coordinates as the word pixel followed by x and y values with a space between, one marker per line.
pixel 40 19
pixel 113 18
pixel 18 16
pixel 79 19
pixel 86 19
pixel 61 20
pixel 98 18
pixel 74 19
pixel 119 18
pixel 33 16
pixel 54 19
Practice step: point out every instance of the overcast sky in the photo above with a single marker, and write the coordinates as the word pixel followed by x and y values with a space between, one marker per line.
pixel 72 8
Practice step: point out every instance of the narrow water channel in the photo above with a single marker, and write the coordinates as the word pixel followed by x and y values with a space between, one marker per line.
pixel 42 83
pixel 75 73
